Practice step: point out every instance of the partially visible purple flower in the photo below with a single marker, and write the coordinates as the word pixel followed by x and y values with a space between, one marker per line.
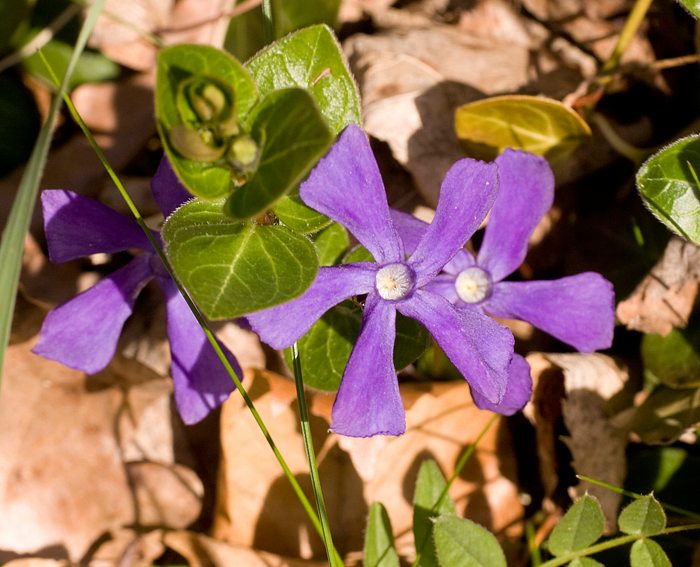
pixel 83 332
pixel 578 310
pixel 347 187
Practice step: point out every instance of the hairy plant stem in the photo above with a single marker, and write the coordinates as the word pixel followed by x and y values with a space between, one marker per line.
pixel 333 556
pixel 211 337
pixel 464 458
pixel 634 20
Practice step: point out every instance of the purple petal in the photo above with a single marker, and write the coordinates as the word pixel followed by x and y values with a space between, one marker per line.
pixel 368 401
pixel 76 226
pixel 479 347
pixel 200 380
pixel 346 186
pixel 578 310
pixel 410 229
pixel 526 193
pixel 168 192
pixel 466 195
pixel 518 389
pixel 83 332
pixel 461 261
pixel 281 325
pixel 444 285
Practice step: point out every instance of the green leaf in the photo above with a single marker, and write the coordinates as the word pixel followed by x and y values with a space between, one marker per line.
pixel 19 122
pixel 648 553
pixel 358 254
pixel 182 62
pixel 411 341
pixel 585 562
pixel 581 526
pixel 674 360
pixel 12 12
pixel 692 6
pixel 668 184
pixel 379 539
pixel 534 124
pixel 463 543
pixel 311 59
pixel 296 215
pixel 429 487
pixel 331 243
pixel 91 67
pixel 293 137
pixel 643 516
pixel 232 268
pixel 665 414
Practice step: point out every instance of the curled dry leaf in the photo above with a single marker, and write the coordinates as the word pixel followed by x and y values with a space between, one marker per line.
pixel 441 420
pixel 577 391
pixel 665 298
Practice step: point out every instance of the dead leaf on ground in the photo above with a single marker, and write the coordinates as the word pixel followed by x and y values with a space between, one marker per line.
pixel 441 420
pixel 665 298
pixel 581 392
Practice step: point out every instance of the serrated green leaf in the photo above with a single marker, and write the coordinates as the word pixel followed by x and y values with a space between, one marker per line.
pixel 232 268
pixel 379 539
pixel 648 553
pixel 429 487
pixel 692 6
pixel 534 124
pixel 670 189
pixel 296 215
pixel 674 360
pixel 311 59
pixel 331 243
pixel 585 562
pixel 91 67
pixel 293 136
pixel 463 543
pixel 581 526
pixel 643 516
pixel 176 64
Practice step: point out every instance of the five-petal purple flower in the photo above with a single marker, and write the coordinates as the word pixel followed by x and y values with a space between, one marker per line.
pixel 347 187
pixel 83 332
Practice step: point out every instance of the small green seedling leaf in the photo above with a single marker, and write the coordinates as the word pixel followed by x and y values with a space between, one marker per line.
pixel 232 268
pixel 296 215
pixel 182 67
pixel 331 243
pixel 643 516
pixel 648 553
pixel 534 124
pixel 674 360
pixel 581 526
pixel 292 136
pixel 429 487
pixel 379 539
pixel 668 184
pixel 693 6
pixel 311 59
pixel 463 543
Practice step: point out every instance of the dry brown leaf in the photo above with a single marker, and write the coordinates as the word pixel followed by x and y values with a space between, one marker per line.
pixel 576 390
pixel 198 21
pixel 128 547
pixel 256 506
pixel 665 298
pixel 36 562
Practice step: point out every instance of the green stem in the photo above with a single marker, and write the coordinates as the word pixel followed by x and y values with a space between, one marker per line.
pixel 268 24
pixel 615 542
pixel 211 337
pixel 464 458
pixel 634 20
pixel 333 556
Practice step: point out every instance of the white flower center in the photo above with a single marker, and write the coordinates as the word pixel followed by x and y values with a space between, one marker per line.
pixel 394 281
pixel 473 285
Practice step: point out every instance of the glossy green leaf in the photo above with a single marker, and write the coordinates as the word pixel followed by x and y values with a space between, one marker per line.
pixel 665 414
pixel 358 254
pixel 463 543
pixel 648 553
pixel 581 526
pixel 693 6
pixel 311 59
pixel 585 562
pixel 379 539
pixel 668 184
pixel 674 360
pixel 296 215
pixel 643 516
pixel 232 268
pixel 331 243
pixel 429 487
pixel 293 136
pixel 91 67
pixel 180 63
pixel 534 124
pixel 19 122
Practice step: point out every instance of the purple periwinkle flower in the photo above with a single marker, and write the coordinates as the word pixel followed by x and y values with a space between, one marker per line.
pixel 578 310
pixel 83 332
pixel 346 186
